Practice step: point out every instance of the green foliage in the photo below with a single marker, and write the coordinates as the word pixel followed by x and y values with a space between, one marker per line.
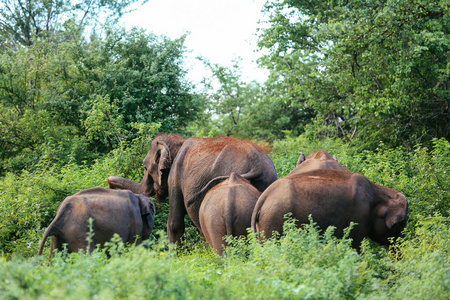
pixel 422 262
pixel 301 264
pixel 285 152
pixel 74 101
pixel 22 23
pixel 368 71
pixel 229 101
pixel 420 174
pixel 103 112
pixel 144 74
pixel 249 110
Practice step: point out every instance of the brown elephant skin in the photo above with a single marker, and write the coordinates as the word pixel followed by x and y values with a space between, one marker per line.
pixel 130 216
pixel 185 169
pixel 333 198
pixel 317 159
pixel 226 210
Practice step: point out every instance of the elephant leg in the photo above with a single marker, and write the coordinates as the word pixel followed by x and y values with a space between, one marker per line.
pixel 175 220
pixel 214 229
pixel 217 243
pixel 55 244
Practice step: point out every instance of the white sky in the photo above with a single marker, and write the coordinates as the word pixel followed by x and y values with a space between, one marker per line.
pixel 220 31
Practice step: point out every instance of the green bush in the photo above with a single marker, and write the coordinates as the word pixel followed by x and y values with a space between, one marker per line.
pixel 301 264
pixel 422 263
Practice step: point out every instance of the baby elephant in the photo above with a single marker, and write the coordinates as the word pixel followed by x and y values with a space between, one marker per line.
pixel 113 211
pixel 227 210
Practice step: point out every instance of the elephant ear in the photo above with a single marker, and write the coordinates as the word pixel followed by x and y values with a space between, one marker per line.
pixel 146 205
pixel 147 213
pixel 301 158
pixel 165 159
pixel 397 211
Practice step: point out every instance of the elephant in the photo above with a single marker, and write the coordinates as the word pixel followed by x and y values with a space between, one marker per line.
pixel 332 198
pixel 317 159
pixel 227 210
pixel 185 169
pixel 130 216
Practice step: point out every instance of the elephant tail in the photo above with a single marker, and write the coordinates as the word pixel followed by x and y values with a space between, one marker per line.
pixel 197 197
pixel 53 228
pixel 256 215
pixel 48 232
pixel 255 219
pixel 229 212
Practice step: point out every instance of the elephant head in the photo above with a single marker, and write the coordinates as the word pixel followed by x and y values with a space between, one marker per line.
pixel 157 164
pixel 389 216
pixel 147 213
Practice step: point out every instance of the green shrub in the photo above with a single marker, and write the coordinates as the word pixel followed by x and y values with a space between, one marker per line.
pixel 285 152
pixel 301 264
pixel 422 263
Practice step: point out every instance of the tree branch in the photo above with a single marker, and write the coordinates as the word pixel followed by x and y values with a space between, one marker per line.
pixel 85 14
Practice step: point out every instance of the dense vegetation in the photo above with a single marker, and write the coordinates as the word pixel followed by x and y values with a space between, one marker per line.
pixel 302 264
pixel 80 101
pixel 69 97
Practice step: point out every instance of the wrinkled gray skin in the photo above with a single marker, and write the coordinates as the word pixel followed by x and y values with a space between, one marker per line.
pixel 185 169
pixel 333 196
pixel 227 210
pixel 317 159
pixel 130 216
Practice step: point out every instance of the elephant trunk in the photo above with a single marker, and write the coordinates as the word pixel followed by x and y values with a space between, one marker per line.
pixel 115 182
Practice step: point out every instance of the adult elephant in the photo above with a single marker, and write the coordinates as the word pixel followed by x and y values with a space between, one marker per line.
pixel 130 216
pixel 333 198
pixel 226 210
pixel 185 169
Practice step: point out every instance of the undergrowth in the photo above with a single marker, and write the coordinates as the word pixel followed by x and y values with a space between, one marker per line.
pixel 301 264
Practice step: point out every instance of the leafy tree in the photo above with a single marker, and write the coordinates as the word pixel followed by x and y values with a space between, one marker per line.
pixel 145 74
pixel 252 110
pixel 77 99
pixel 231 99
pixel 370 70
pixel 24 21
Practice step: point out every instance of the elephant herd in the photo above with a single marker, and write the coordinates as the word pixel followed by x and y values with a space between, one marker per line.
pixel 227 185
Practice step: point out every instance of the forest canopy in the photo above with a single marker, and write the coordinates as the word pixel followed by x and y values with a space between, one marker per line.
pixel 362 71
pixel 70 96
